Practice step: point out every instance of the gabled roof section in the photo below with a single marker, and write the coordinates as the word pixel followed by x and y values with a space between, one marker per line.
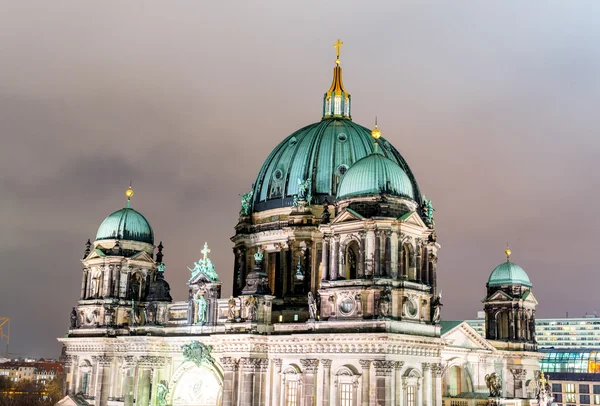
pixel 464 336
pixel 347 215
pixel 95 253
pixel 73 400
pixel 499 296
pixel 142 256
pixel 412 218
pixel 528 297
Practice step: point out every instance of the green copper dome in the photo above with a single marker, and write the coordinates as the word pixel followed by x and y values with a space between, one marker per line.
pixel 375 174
pixel 126 224
pixel 321 152
pixel 508 273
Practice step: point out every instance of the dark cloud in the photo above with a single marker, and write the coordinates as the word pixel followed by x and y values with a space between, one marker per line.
pixel 492 104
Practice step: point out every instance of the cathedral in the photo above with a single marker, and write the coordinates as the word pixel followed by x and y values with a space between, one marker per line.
pixel 335 296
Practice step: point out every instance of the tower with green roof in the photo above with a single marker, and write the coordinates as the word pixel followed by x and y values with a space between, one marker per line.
pixel 510 307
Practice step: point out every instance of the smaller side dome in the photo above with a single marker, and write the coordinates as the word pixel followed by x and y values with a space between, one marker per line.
pixel 508 273
pixel 375 174
pixel 127 225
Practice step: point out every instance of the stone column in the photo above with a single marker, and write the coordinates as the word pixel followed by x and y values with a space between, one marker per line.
pixel 520 387
pixel 419 391
pixel 309 370
pixel 377 254
pixel 438 372
pixel 399 395
pixel 260 381
pixel 394 255
pixel 427 384
pixel 246 392
pixel 388 253
pixel 383 379
pixel 143 388
pixel 326 381
pixel 102 386
pixel 324 258
pixel 360 269
pixel 334 258
pixel 84 284
pixel 276 393
pixel 366 381
pixel 230 366
pixel 129 384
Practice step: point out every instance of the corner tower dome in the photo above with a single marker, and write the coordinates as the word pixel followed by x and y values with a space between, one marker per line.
pixel 508 274
pixel 322 153
pixel 126 224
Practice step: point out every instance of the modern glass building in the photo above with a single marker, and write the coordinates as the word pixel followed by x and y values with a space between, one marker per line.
pixel 581 332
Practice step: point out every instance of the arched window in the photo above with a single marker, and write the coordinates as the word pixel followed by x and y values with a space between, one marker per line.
pixel 411 384
pixel 351 260
pixel 346 384
pixel 291 385
pixel 453 381
pixel 85 377
pixel 502 325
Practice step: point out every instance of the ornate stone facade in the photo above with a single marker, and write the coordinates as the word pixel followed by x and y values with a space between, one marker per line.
pixel 335 297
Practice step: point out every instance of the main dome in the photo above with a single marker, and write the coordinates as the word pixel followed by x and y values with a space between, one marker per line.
pixel 126 224
pixel 321 152
pixel 375 174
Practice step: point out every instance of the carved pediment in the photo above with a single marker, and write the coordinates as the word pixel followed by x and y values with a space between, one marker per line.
pixel 464 336
pixel 347 215
pixel 529 298
pixel 413 219
pixel 142 256
pixel 499 296
pixel 95 253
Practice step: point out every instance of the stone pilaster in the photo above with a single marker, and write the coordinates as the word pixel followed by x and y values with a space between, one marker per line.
pixel 309 370
pixel 438 372
pixel 335 258
pixel 101 389
pixel 394 254
pixel 520 376
pixel 230 367
pixel 129 385
pixel 427 385
pixel 366 381
pixel 276 393
pixel 383 382
pixel 326 363
pixel 246 391
pixel 399 395
pixel 325 258
pixel 260 381
pixel 361 255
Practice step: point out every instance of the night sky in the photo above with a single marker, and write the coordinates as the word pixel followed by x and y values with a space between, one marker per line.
pixel 492 104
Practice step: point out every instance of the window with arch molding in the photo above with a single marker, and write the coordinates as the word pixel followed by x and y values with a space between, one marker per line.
pixel 291 384
pixel 346 384
pixel 411 383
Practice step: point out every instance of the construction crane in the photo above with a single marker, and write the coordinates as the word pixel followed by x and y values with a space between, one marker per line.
pixel 5 331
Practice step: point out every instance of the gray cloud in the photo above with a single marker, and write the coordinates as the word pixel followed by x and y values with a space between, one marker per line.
pixel 492 104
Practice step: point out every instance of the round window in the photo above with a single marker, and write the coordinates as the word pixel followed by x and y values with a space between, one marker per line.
pixel 278 174
pixel 342 169
pixel 342 137
pixel 347 306
pixel 293 141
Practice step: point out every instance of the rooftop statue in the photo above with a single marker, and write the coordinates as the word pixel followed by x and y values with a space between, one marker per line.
pixel 246 203
pixel 428 210
pixel 205 267
pixel 161 393
pixel 304 190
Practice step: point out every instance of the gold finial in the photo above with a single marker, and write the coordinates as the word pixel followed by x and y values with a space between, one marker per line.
pixel 376 133
pixel 337 47
pixel 129 192
pixel 507 251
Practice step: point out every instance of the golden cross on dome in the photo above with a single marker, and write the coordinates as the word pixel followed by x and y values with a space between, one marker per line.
pixel 337 47
pixel 205 251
